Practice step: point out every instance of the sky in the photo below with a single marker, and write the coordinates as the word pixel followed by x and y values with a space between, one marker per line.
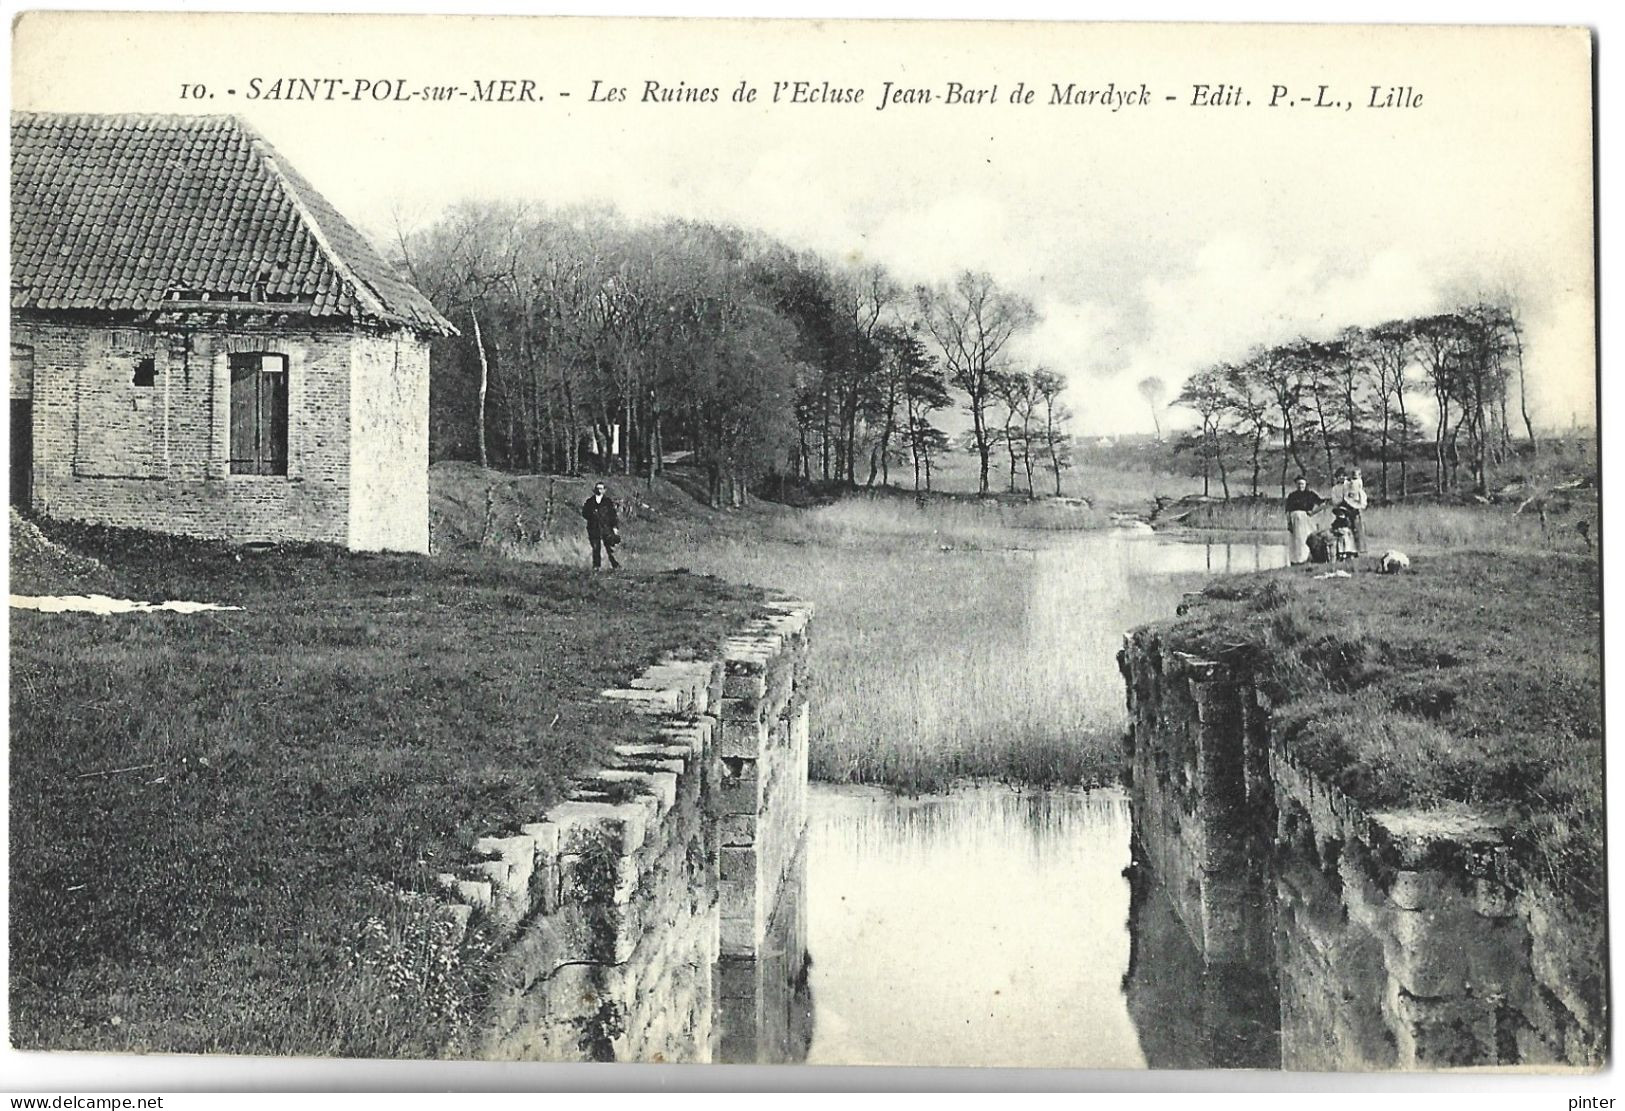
pixel 1154 239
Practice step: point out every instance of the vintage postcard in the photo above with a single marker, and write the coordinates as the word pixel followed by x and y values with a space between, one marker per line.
pixel 1046 545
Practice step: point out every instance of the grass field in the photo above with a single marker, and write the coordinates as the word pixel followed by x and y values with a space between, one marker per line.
pixel 1474 678
pixel 1410 527
pixel 203 806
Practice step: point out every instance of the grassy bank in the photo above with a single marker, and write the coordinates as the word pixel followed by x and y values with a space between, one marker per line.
pixel 202 806
pixel 1110 481
pixel 1476 678
pixel 1408 526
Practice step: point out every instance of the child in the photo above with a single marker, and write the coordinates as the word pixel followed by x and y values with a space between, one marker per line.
pixel 1343 518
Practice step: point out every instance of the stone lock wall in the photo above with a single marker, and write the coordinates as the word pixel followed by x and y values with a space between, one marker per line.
pixel 1396 939
pixel 1199 796
pixel 1411 939
pixel 764 735
pixel 613 910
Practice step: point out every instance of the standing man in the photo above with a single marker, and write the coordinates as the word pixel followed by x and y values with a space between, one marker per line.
pixel 602 531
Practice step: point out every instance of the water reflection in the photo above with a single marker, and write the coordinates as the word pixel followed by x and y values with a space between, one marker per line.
pixel 1189 1013
pixel 764 1004
pixel 984 927
pixel 1151 555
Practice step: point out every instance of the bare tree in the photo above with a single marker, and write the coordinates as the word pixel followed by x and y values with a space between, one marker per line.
pixel 1206 394
pixel 1248 400
pixel 1057 439
pixel 1387 350
pixel 971 320
pixel 1438 340
pixel 1281 377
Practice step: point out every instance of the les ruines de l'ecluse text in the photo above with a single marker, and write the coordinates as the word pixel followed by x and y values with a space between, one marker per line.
pixel 886 96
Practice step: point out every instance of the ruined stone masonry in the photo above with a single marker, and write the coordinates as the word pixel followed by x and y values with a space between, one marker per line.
pixel 1393 939
pixel 628 914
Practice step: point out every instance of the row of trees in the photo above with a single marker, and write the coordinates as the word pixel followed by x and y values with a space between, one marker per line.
pixel 1355 397
pixel 589 341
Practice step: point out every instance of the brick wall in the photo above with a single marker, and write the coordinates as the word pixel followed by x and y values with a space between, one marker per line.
pixel 22 372
pixel 111 451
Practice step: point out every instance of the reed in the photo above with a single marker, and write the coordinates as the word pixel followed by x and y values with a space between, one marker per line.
pixel 954 521
pixel 939 663
pixel 1408 526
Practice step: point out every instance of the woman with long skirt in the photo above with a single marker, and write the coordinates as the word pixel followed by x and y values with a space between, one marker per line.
pixel 1300 504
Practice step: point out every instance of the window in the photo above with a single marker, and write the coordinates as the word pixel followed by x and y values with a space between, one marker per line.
pixel 259 414
pixel 146 373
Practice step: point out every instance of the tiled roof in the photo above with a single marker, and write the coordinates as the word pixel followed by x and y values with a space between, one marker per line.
pixel 121 213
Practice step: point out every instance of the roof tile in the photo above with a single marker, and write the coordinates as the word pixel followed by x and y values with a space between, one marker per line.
pixel 104 208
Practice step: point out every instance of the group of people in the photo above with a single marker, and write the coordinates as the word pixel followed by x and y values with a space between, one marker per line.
pixel 1346 536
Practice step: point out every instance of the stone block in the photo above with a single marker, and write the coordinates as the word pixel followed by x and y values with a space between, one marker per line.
pixel 476 893
pixel 1492 899
pixel 544 882
pixel 739 865
pixel 495 873
pixel 646 701
pixel 582 825
pixel 743 738
pixel 739 829
pixel 544 836
pixel 739 937
pixel 1412 890
pixel 742 710
pixel 740 789
pixel 744 686
pixel 695 735
pixel 1425 961
pixel 736 898
pixel 746 661
pixel 518 853
pixel 458 915
pixel 660 784
pixel 583 877
pixel 688 679
pixel 578 991
pixel 1444 1033
pixel 669 765
pixel 663 748
pixel 737 979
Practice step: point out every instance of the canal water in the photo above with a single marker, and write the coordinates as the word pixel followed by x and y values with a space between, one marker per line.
pixel 991 925
pixel 984 927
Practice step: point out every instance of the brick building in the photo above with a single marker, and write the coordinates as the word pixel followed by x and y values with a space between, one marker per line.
pixel 201 344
